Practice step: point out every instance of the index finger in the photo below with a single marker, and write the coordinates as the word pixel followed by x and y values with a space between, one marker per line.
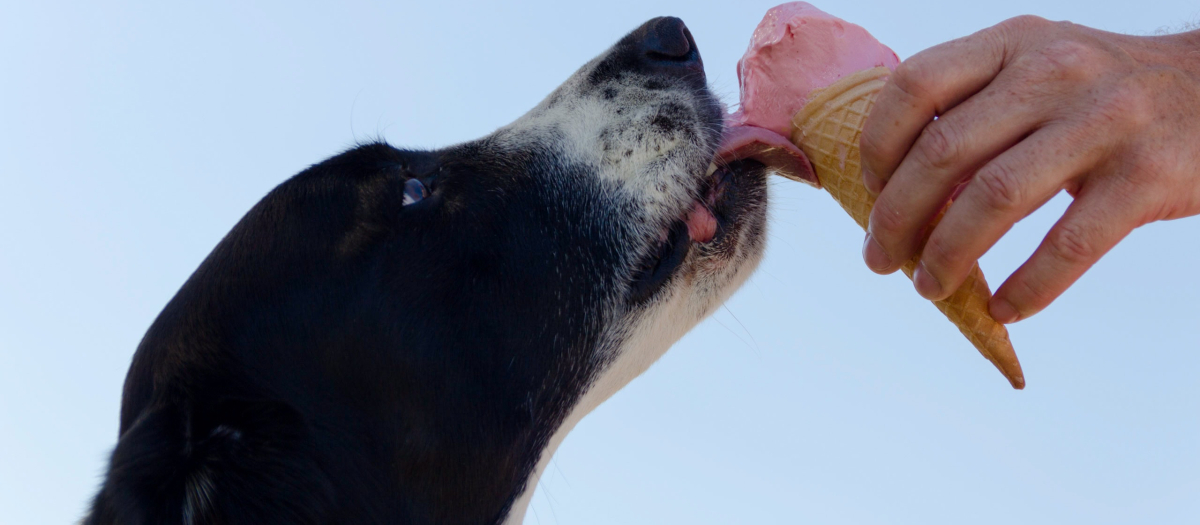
pixel 924 86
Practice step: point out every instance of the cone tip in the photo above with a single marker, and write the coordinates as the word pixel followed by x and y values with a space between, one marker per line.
pixel 1013 373
pixel 1017 381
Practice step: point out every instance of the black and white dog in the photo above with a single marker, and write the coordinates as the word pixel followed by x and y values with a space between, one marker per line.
pixel 401 336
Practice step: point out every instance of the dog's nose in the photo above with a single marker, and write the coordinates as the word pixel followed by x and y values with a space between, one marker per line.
pixel 667 46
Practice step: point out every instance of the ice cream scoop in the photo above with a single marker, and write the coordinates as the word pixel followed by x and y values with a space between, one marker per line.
pixel 796 50
pixel 814 78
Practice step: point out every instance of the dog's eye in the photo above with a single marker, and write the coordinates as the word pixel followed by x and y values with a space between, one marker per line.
pixel 414 192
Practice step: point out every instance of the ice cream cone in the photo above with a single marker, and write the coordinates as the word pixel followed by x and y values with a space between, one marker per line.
pixel 827 129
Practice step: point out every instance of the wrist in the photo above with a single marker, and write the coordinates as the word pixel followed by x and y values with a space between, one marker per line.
pixel 1179 50
pixel 1189 45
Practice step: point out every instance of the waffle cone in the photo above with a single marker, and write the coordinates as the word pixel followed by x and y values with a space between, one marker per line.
pixel 827 129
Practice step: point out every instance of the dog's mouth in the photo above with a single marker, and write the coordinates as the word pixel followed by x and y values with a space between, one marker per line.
pixel 706 221
pixel 742 142
pixel 738 143
pixel 701 219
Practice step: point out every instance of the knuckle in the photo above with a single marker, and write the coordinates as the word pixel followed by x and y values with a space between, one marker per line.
pixel 1023 24
pixel 1142 188
pixel 939 256
pixel 913 78
pixel 939 147
pixel 1071 59
pixel 1071 243
pixel 1001 185
pixel 886 223
pixel 1031 21
pixel 1029 294
pixel 872 149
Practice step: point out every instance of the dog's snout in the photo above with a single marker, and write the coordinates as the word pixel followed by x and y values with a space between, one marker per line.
pixel 661 47
pixel 667 46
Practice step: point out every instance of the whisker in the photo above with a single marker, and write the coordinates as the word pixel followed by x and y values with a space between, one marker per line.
pixel 735 335
pixel 560 472
pixel 739 322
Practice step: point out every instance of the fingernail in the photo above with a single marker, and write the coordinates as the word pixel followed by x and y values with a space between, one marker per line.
pixel 873 254
pixel 873 183
pixel 926 284
pixel 1003 311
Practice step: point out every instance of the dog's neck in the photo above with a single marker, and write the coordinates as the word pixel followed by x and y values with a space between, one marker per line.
pixel 647 341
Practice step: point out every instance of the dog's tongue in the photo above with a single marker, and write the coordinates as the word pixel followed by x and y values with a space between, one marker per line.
pixel 743 141
pixel 701 224
pixel 795 50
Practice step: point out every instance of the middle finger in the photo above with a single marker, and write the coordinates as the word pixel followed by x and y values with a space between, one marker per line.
pixel 947 152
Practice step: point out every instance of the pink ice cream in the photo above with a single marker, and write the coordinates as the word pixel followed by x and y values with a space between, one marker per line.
pixel 795 50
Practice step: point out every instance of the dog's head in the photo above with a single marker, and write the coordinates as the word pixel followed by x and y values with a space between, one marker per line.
pixel 416 331
pixel 546 265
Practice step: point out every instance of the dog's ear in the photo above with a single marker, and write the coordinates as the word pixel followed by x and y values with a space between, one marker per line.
pixel 237 462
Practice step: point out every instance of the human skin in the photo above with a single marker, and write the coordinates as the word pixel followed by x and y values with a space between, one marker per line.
pixel 1025 109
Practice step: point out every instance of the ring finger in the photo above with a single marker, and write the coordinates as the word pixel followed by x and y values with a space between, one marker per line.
pixel 1004 191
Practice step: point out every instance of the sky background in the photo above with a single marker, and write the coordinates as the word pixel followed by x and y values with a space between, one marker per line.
pixel 134 135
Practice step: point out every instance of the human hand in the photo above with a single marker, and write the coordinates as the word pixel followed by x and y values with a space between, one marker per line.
pixel 1023 110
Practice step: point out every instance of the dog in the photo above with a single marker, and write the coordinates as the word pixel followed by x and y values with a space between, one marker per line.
pixel 401 336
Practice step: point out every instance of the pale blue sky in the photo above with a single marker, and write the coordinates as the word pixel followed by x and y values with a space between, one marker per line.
pixel 133 136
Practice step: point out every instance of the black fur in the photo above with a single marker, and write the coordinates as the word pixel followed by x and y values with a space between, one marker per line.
pixel 342 358
pixel 414 346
